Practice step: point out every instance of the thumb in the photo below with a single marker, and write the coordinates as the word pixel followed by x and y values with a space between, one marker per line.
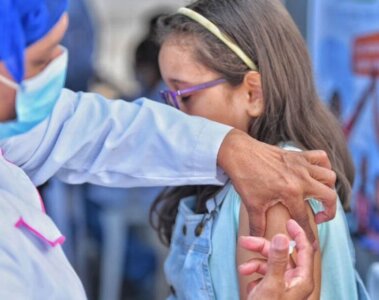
pixel 278 257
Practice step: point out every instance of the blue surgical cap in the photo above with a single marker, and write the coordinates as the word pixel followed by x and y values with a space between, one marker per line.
pixel 22 23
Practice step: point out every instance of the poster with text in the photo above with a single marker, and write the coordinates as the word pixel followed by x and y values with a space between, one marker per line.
pixel 344 45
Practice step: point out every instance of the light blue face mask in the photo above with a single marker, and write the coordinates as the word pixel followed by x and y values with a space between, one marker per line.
pixel 36 97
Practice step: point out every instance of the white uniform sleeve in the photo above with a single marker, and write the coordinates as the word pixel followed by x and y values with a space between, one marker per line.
pixel 13 283
pixel 120 144
pixel 14 263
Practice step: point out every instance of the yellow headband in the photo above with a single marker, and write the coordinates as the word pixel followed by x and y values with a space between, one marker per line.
pixel 214 29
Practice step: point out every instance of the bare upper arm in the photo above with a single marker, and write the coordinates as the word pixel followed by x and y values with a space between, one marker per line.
pixel 277 217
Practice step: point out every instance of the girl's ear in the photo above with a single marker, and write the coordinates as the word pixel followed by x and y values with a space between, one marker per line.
pixel 253 86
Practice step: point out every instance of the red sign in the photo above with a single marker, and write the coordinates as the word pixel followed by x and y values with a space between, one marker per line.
pixel 366 55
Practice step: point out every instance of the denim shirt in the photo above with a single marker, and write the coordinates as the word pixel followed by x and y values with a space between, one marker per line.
pixel 187 265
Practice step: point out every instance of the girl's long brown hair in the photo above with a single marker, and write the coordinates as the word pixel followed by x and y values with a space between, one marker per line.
pixel 293 111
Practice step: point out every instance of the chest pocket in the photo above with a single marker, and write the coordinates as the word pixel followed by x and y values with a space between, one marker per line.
pixel 187 265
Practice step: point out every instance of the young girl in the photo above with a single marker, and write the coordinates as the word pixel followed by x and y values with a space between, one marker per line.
pixel 244 63
pixel 83 137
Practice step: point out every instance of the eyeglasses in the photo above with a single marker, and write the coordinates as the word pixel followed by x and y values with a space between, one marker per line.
pixel 171 97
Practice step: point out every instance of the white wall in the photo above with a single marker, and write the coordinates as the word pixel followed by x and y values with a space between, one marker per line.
pixel 120 25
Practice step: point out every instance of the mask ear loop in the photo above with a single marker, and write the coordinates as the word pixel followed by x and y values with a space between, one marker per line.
pixel 9 83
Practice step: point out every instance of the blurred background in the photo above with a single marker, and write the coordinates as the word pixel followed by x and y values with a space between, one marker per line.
pixel 109 240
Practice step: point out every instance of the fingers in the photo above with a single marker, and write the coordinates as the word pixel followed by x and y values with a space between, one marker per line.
pixel 298 212
pixel 313 178
pixel 251 286
pixel 254 266
pixel 278 257
pixel 273 283
pixel 305 251
pixel 322 185
pixel 300 283
pixel 327 196
pixel 325 176
pixel 278 281
pixel 256 244
pixel 317 157
pixel 324 216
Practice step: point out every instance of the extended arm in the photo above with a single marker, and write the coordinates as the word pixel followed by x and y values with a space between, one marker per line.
pixel 91 139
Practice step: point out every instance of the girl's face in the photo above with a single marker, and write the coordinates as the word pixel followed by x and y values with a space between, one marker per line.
pixel 221 103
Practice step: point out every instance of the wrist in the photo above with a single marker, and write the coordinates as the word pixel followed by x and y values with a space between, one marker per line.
pixel 236 142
